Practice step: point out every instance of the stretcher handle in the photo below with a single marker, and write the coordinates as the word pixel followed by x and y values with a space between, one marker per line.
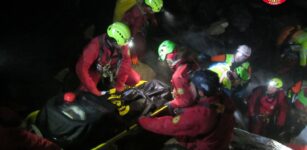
pixel 125 132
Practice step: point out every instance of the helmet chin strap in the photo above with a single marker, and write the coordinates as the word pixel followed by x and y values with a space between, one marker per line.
pixel 175 62
pixel 272 95
pixel 109 44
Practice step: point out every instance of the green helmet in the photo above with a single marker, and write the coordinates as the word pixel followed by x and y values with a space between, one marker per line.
pixel 165 48
pixel 120 32
pixel 155 5
pixel 276 82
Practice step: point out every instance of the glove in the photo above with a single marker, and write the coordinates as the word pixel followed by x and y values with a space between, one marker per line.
pixel 173 111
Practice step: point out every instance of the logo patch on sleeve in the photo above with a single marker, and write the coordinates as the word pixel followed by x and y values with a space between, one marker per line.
pixel 176 119
pixel 180 91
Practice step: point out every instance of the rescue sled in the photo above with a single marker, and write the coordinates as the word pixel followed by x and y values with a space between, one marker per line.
pixel 91 122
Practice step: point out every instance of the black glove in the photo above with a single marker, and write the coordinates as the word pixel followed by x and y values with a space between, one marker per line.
pixel 173 111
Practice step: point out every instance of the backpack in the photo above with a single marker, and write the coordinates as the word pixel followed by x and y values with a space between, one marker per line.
pixel 75 125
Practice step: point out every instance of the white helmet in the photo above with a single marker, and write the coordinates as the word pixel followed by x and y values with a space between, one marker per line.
pixel 245 50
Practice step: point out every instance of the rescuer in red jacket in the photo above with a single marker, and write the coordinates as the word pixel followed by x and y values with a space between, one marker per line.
pixel 14 137
pixel 107 56
pixel 181 68
pixel 205 125
pixel 264 104
pixel 138 18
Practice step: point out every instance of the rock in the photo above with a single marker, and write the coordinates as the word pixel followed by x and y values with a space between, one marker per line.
pixel 146 72
pixel 217 28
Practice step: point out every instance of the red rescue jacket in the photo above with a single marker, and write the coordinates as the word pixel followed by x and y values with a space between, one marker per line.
pixel 182 94
pixel 198 127
pixel 88 74
pixel 258 104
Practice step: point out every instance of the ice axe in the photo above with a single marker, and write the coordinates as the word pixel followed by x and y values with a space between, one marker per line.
pixel 126 132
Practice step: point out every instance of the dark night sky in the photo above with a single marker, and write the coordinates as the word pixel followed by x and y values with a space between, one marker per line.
pixel 38 39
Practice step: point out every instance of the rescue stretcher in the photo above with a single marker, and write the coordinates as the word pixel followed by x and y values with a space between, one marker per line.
pixel 30 119
pixel 148 92
pixel 242 139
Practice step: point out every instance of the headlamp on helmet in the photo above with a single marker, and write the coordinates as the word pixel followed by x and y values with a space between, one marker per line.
pixel 131 43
